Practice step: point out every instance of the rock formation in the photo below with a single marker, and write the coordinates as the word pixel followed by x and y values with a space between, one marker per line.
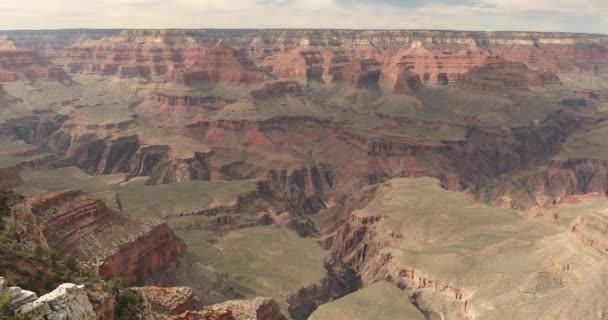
pixel 19 297
pixel 206 315
pixel 375 241
pixel 357 58
pixel 255 309
pixel 177 55
pixel 130 54
pixel 220 63
pixel 22 64
pixel 169 300
pixel 549 185
pixel 81 225
pixel 327 124
pixel 591 230
pixel 68 301
pixel 502 76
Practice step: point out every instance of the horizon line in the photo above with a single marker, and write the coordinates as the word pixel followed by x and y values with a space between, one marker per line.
pixel 312 29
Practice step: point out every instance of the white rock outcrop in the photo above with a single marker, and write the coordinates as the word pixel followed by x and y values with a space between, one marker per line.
pixel 19 296
pixel 68 302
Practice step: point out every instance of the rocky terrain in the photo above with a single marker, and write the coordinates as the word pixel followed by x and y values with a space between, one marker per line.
pixel 463 174
pixel 83 226
pixel 23 64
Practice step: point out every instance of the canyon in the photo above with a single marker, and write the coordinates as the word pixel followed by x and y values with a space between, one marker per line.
pixel 308 174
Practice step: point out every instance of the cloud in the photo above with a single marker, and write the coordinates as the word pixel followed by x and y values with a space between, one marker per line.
pixel 541 15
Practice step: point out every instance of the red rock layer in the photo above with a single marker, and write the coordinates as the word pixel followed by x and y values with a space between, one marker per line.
pixel 548 185
pixel 222 63
pixel 278 88
pixel 254 309
pixel 136 53
pixel 356 58
pixel 21 64
pixel 437 66
pixel 168 301
pixel 190 101
pixel 566 57
pixel 592 230
pixel 301 63
pixel 172 54
pixel 206 315
pixel 500 76
pixel 81 225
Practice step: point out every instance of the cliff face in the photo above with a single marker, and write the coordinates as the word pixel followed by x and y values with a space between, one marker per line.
pixel 579 167
pixel 255 309
pixel 23 64
pixel 83 226
pixel 503 76
pixel 161 161
pixel 357 58
pixel 409 235
pixel 244 112
pixel 313 116
pixel 284 145
pixel 591 230
pixel 68 301
pixel 550 184
pixel 175 55
pixel 169 301
pixel 340 281
pixel 127 55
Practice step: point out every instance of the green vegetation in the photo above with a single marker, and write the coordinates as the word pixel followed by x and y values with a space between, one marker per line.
pixel 129 303
pixel 5 313
pixel 32 267
pixel 39 269
pixel 7 200
pixel 487 193
pixel 5 302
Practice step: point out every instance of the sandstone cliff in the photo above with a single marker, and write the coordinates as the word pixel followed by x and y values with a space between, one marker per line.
pixel 83 226
pixel 22 64
pixel 357 58
pixel 407 239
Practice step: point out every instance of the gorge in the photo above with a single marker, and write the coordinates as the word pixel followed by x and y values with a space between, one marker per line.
pixel 290 174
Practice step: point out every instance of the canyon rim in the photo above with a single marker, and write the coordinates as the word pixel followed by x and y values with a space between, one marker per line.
pixel 303 173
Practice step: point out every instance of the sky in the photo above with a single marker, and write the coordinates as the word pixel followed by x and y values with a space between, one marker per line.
pixel 589 16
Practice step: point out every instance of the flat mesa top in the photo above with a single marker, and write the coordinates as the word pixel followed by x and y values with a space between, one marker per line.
pixel 381 300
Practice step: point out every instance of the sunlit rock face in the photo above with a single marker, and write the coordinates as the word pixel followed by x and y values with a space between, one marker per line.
pixel 83 226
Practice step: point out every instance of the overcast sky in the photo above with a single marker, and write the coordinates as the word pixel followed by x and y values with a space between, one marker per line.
pixel 538 15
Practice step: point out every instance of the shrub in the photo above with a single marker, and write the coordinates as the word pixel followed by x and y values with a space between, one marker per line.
pixel 38 253
pixel 24 272
pixel 53 259
pixel 5 301
pixel 129 303
pixel 72 264
pixel 5 313
pixel 487 193
pixel 7 200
